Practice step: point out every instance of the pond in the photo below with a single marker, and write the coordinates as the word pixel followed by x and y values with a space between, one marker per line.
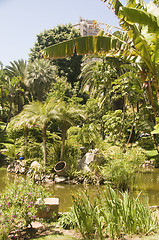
pixel 147 183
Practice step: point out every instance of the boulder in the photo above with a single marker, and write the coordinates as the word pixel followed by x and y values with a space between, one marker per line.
pixel 35 165
pixel 17 166
pixel 60 179
pixel 93 155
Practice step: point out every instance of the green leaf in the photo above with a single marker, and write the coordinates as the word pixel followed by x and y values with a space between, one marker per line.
pixel 82 45
pixel 65 48
pixel 156 131
pixel 132 15
pixel 115 4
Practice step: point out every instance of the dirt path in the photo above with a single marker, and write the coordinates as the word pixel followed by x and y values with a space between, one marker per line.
pixel 40 230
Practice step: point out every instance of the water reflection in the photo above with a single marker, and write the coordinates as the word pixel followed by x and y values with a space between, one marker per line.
pixel 147 183
pixel 65 192
pixel 6 178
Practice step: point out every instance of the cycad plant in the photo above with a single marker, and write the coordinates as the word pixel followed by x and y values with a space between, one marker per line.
pixel 39 76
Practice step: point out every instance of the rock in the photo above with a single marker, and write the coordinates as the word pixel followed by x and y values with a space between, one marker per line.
pixel 48 179
pixel 36 224
pixel 35 166
pixel 72 182
pixel 60 179
pixel 17 166
pixel 148 164
pixel 39 177
pixel 93 155
pixel 83 151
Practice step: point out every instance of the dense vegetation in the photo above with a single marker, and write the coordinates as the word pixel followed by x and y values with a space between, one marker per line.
pixel 51 108
pixel 110 214
pixel 18 207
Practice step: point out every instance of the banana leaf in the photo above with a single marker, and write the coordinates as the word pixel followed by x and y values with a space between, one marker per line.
pixel 132 15
pixel 81 46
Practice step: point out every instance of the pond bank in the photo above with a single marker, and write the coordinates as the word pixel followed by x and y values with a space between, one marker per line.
pixel 76 186
pixel 147 183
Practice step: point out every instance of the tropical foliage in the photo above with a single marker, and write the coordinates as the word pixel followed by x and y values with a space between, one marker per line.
pixel 61 104
pixel 70 67
pixel 39 114
pixel 51 37
pixel 139 41
pixel 39 76
pixel 18 207
pixel 107 98
pixel 109 214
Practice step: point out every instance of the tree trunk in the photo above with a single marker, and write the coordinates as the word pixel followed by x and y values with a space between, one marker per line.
pixel 151 99
pixel 40 96
pixel 63 136
pixel 147 85
pixel 132 128
pixel 20 103
pixel 9 116
pixel 26 140
pixel 44 144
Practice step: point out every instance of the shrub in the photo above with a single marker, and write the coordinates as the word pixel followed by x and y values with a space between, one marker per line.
pixel 110 214
pixel 90 135
pixel 17 206
pixel 33 150
pixel 67 220
pixel 71 153
pixel 121 167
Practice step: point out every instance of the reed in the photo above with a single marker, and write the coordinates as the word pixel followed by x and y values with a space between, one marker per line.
pixel 112 213
pixel 84 212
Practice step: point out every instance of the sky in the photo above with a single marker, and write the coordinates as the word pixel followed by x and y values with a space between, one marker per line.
pixel 22 20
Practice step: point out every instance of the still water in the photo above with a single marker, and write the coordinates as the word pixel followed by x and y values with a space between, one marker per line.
pixel 146 183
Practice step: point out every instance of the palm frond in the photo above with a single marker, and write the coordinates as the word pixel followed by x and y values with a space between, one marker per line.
pixel 114 4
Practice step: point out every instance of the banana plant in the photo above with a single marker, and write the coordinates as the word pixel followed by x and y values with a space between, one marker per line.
pixel 138 41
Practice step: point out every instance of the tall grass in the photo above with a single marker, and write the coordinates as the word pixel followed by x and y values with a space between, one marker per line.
pixel 112 213
pixel 84 211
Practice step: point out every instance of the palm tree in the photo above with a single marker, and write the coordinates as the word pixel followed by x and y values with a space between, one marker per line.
pixel 16 69
pixel 11 88
pixel 39 114
pixel 89 63
pixel 39 75
pixel 139 42
pixel 98 78
pixel 20 121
